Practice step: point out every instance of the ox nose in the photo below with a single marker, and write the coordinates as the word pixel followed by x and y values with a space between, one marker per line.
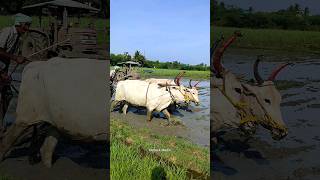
pixel 279 134
pixel 197 103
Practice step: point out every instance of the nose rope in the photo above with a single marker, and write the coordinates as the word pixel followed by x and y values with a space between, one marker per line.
pixel 269 120
pixel 244 117
pixel 185 96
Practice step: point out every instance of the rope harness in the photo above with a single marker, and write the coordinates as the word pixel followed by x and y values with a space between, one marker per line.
pixel 246 118
pixel 185 96
pixel 240 106
pixel 268 119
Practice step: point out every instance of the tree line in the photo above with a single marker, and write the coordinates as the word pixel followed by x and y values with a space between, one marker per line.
pixel 138 57
pixel 294 17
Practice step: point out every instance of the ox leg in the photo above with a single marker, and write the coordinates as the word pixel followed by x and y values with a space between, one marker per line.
pixel 125 108
pixel 167 114
pixel 34 147
pixel 113 105
pixel 10 137
pixel 48 148
pixel 149 115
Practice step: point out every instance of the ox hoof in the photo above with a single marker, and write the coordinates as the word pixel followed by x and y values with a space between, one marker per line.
pixel 47 164
pixel 165 123
pixel 176 122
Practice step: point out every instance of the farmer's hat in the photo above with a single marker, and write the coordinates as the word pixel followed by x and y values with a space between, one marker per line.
pixel 21 18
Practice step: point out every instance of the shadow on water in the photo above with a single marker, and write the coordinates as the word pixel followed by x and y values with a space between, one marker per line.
pixel 241 147
pixel 218 165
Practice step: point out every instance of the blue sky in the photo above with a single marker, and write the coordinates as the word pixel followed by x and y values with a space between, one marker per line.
pixel 165 30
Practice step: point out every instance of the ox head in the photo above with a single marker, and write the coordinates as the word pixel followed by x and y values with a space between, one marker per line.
pixel 234 92
pixel 178 93
pixel 192 92
pixel 266 105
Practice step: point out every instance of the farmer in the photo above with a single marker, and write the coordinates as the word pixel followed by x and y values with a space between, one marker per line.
pixel 9 41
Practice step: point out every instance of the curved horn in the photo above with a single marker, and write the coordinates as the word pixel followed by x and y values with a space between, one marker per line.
pixel 219 52
pixel 190 85
pixel 196 84
pixel 274 74
pixel 256 71
pixel 178 77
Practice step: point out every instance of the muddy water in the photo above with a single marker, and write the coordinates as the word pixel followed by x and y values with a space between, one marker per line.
pixel 196 119
pixel 260 157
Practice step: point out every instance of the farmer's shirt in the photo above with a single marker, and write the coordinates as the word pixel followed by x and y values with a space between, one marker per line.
pixel 9 38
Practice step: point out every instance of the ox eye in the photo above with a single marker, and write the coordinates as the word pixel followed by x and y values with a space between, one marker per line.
pixel 238 90
pixel 267 101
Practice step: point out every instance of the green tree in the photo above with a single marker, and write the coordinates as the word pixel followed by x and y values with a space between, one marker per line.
pixel 138 57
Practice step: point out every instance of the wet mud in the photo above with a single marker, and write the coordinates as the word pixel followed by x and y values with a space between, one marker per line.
pixel 260 157
pixel 194 122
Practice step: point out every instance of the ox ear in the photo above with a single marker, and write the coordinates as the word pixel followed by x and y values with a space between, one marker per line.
pixel 249 90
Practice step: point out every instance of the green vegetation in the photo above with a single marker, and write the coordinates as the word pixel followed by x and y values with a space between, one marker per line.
pixel 290 29
pixel 294 17
pixel 284 84
pixel 102 26
pixel 131 158
pixel 272 39
pixel 151 72
pixel 4 176
pixel 138 57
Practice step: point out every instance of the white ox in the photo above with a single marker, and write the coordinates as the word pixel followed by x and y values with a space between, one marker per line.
pixel 260 103
pixel 171 82
pixel 149 95
pixel 69 94
pixel 192 93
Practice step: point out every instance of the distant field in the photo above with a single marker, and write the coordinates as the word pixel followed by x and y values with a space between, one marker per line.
pixel 102 25
pixel 131 158
pixel 272 39
pixel 173 72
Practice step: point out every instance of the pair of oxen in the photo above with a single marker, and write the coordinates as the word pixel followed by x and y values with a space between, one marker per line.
pixel 244 105
pixel 155 95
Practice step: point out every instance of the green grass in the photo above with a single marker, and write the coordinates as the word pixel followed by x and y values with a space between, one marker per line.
pixel 128 161
pixel 173 72
pixel 284 84
pixel 3 176
pixel 272 39
pixel 102 26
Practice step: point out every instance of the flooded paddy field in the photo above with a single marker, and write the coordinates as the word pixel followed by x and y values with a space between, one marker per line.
pixel 195 121
pixel 260 157
pixel 181 149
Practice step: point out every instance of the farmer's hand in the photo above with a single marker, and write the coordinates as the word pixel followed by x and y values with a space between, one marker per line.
pixel 19 59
